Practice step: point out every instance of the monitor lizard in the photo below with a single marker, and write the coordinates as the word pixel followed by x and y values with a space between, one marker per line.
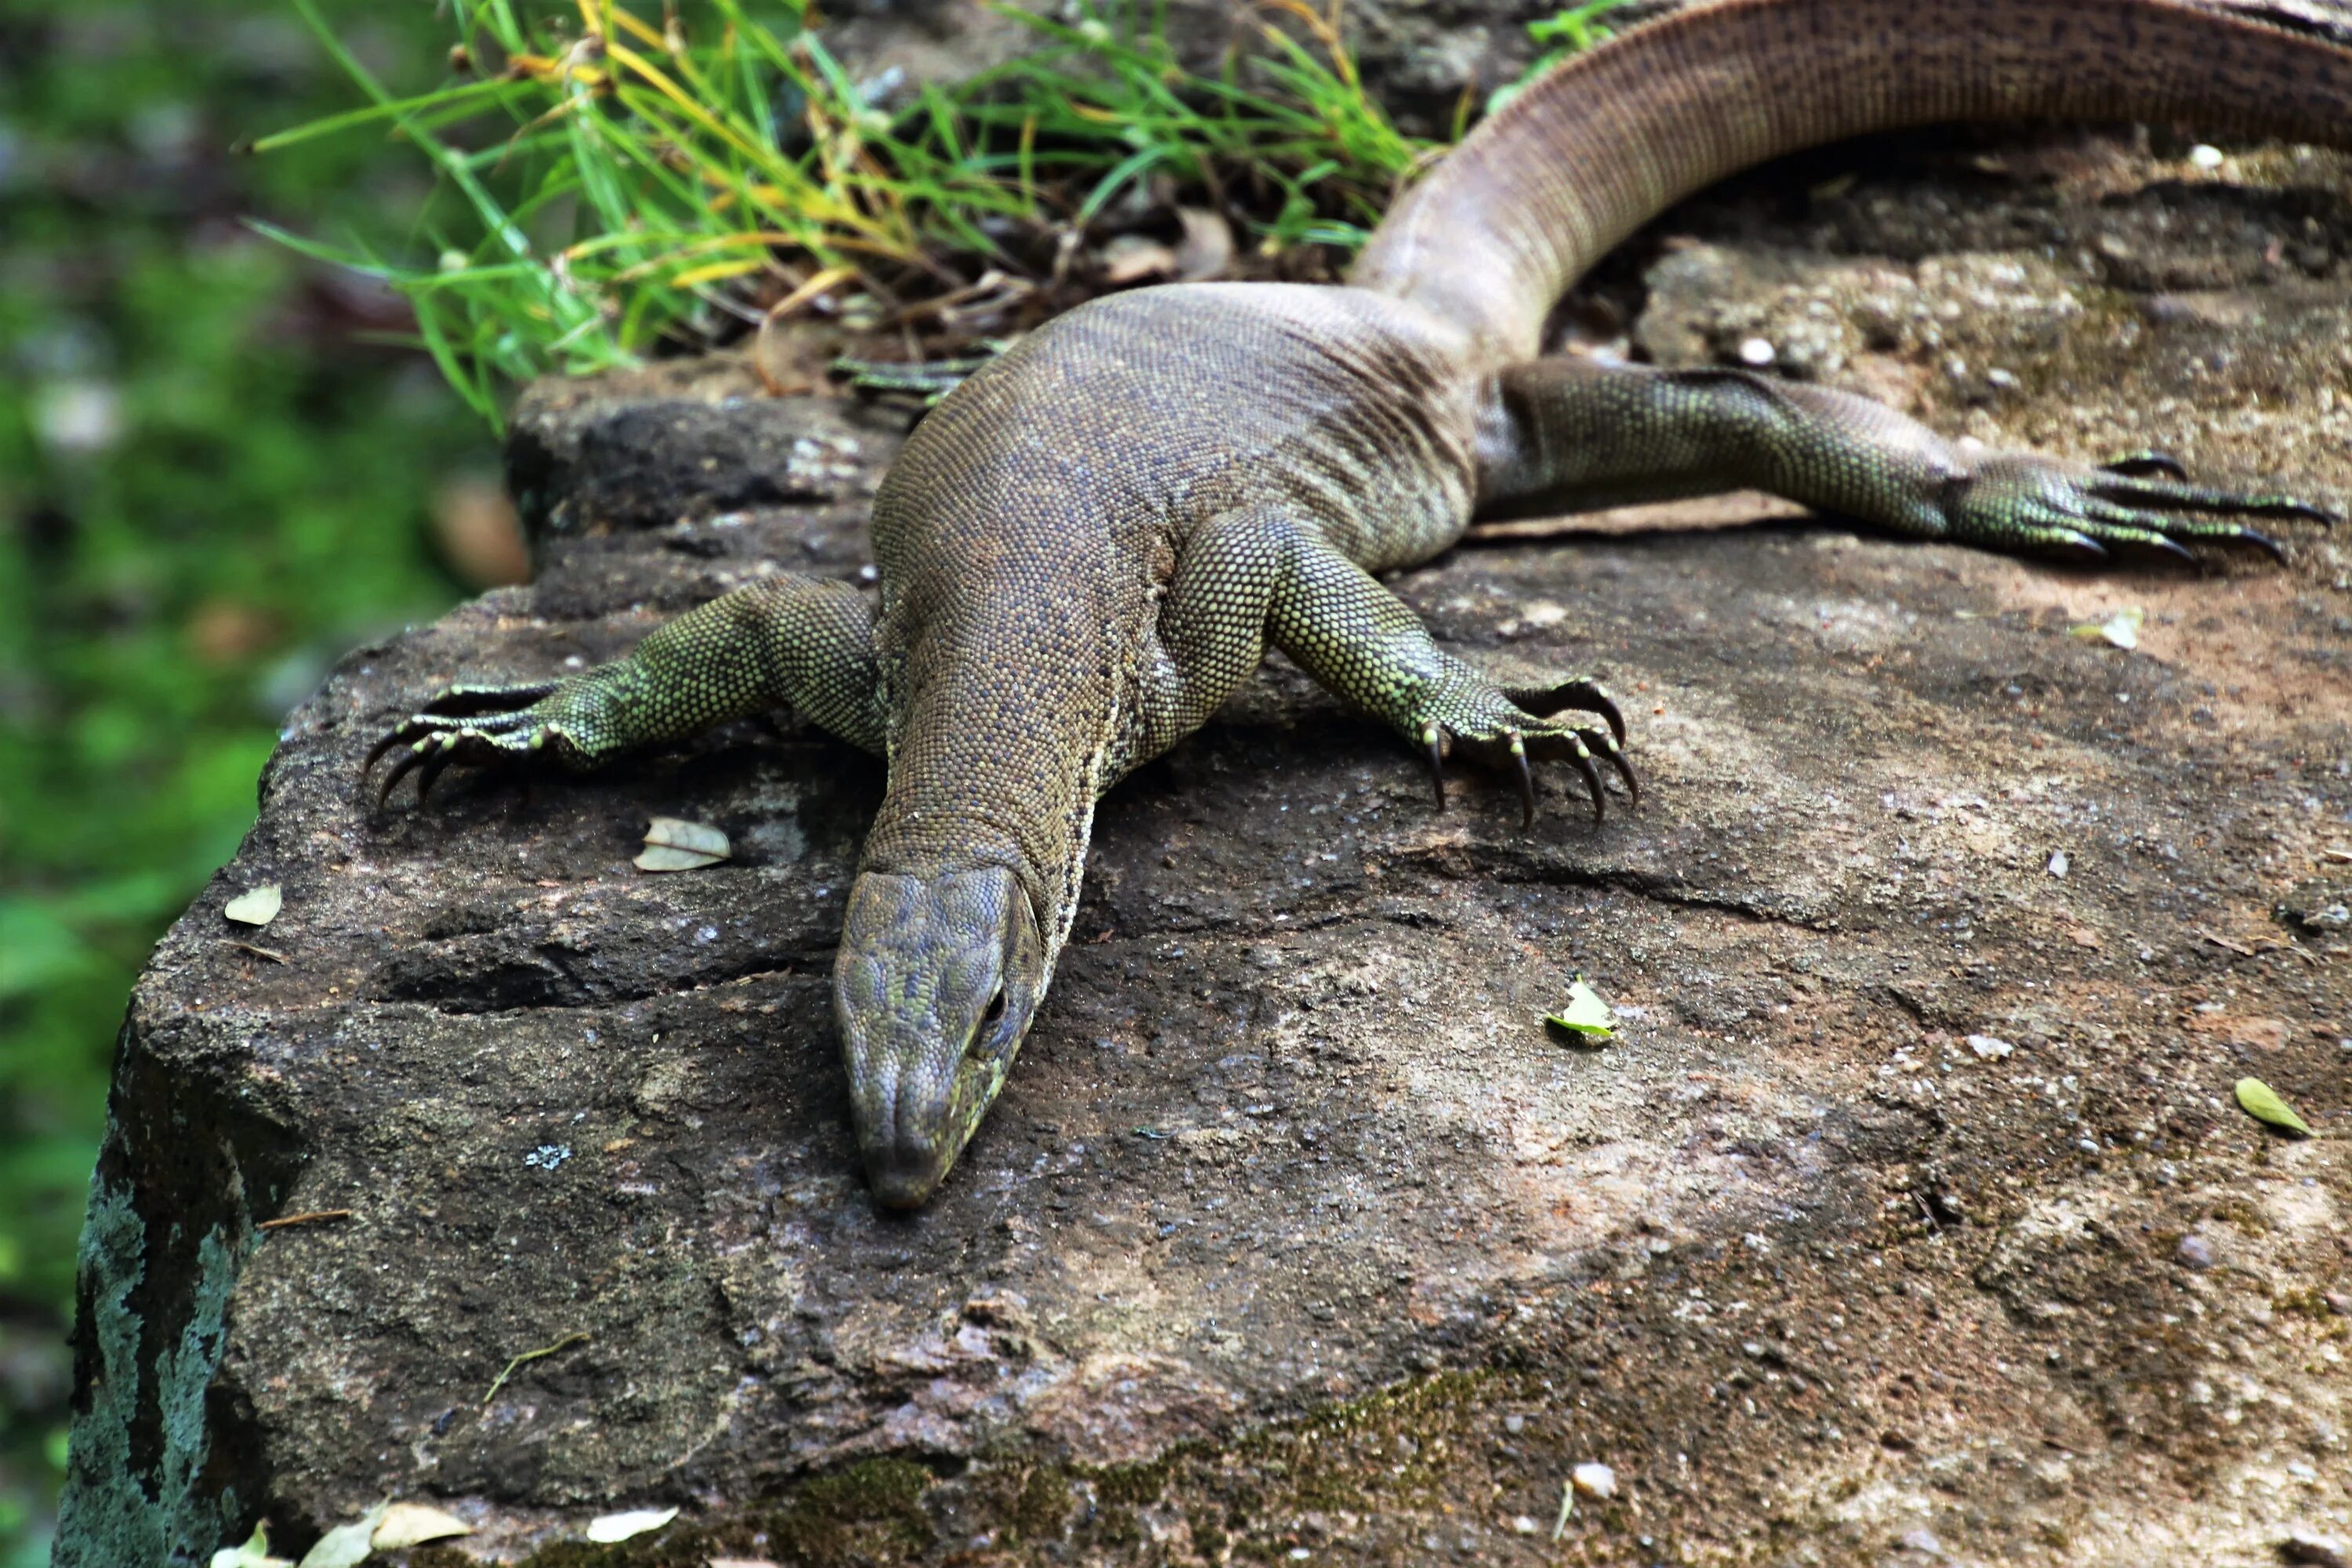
pixel 1088 545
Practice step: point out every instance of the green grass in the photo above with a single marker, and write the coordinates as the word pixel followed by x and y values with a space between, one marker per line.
pixel 609 185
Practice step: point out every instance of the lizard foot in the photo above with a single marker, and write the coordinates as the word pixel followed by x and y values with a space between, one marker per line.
pixel 1508 727
pixel 2141 500
pixel 474 726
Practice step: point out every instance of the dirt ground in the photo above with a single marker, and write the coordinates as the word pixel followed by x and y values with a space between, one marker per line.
pixel 1906 1219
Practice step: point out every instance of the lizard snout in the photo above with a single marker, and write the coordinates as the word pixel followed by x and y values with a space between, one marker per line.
pixel 937 980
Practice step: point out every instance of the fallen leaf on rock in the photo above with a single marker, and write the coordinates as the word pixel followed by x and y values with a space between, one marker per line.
pixel 740 1563
pixel 2122 629
pixel 672 845
pixel 1586 1014
pixel 346 1545
pixel 607 1528
pixel 412 1524
pixel 2261 1102
pixel 254 1553
pixel 254 906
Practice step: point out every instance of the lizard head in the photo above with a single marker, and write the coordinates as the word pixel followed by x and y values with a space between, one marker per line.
pixel 935 984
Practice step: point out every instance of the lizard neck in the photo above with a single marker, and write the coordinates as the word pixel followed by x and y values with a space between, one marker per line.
pixel 1005 707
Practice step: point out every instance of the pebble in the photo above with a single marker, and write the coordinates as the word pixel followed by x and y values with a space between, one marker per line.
pixel 1757 352
pixel 2195 1251
pixel 2305 1545
pixel 1525 1525
pixel 1989 1047
pixel 1595 1480
pixel 2204 157
pixel 2058 862
pixel 1515 1424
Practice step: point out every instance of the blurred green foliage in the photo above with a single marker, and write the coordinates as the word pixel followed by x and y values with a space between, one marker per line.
pixel 210 486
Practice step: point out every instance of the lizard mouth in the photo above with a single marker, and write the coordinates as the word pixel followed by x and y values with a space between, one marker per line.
pixel 936 983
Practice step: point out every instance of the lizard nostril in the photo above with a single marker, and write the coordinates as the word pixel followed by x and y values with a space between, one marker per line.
pixel 995 1008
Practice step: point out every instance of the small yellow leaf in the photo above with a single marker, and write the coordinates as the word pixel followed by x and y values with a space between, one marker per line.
pixel 2261 1102
pixel 412 1524
pixel 2122 629
pixel 346 1545
pixel 254 1553
pixel 1586 1013
pixel 254 906
pixel 606 1529
pixel 672 845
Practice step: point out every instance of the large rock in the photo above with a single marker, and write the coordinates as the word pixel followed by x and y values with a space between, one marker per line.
pixel 1906 1219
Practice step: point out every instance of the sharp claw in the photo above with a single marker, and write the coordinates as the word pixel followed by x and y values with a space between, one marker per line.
pixel 1582 758
pixel 1527 781
pixel 2173 547
pixel 1435 741
pixel 1624 770
pixel 2138 465
pixel 401 768
pixel 443 755
pixel 375 752
pixel 1607 712
pixel 2263 541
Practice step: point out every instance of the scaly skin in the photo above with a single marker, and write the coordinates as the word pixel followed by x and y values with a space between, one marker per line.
pixel 1090 543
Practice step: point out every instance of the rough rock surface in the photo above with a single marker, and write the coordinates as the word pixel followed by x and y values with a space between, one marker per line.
pixel 1906 1220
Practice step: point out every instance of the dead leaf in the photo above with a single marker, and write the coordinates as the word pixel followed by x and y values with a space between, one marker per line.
pixel 254 1553
pixel 2122 629
pixel 672 845
pixel 347 1544
pixel 412 1524
pixel 256 906
pixel 607 1528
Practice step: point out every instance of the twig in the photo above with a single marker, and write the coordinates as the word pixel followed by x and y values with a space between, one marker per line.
pixel 577 1337
pixel 306 1218
pixel 1566 1507
pixel 269 952
pixel 2242 951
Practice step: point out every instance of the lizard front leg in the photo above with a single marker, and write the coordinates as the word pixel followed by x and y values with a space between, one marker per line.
pixel 785 641
pixel 1260 575
pixel 1572 434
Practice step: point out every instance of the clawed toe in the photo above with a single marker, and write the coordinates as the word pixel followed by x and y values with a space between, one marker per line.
pixel 470 701
pixel 2142 464
pixel 1516 750
pixel 464 725
pixel 1586 695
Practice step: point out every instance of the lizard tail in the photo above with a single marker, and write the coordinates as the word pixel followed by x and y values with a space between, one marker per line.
pixel 1610 139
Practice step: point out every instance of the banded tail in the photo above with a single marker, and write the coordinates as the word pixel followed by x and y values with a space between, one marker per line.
pixel 1610 139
